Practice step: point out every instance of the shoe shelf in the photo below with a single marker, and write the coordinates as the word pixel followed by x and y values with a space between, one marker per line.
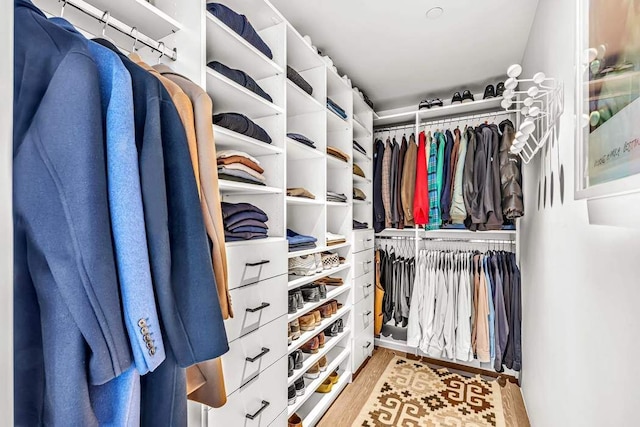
pixel 338 204
pixel 316 406
pixel 335 163
pixel 359 130
pixel 360 180
pixel 310 387
pixel 228 95
pixel 307 335
pixel 297 281
pixel 319 249
pixel 310 360
pixel 229 48
pixel 332 294
pixel 300 102
pixel 245 188
pixel 229 140
pixel 360 157
pixel 303 201
pixel 298 151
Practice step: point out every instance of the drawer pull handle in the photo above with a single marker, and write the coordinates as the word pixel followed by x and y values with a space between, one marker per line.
pixel 265 350
pixel 368 345
pixel 367 286
pixel 261 307
pixel 255 264
pixel 368 240
pixel 262 408
pixel 367 313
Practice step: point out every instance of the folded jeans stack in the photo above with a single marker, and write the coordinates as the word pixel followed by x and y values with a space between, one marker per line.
pixel 298 80
pixel 357 225
pixel 337 153
pixel 302 139
pixel 357 170
pixel 335 108
pixel 299 242
pixel 359 148
pixel 243 221
pixel 241 25
pixel 332 196
pixel 239 166
pixel 241 124
pixel 335 239
pixel 300 192
pixel 240 77
pixel 358 194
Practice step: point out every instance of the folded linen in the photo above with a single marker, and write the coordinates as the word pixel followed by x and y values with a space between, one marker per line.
pixel 242 160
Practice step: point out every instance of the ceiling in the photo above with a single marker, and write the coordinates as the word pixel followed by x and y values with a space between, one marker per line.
pixel 398 56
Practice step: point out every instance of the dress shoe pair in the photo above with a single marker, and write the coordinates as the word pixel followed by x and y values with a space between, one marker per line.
pixel 490 92
pixel 296 301
pixel 466 96
pixel 294 329
pixel 295 362
pixel 294 421
pixel 436 102
pixel 314 344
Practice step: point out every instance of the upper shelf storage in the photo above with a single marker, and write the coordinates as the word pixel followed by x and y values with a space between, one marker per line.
pixel 300 102
pixel 335 83
pixel 224 45
pixel 300 56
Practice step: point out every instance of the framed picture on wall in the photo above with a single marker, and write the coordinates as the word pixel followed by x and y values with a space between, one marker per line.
pixel 608 98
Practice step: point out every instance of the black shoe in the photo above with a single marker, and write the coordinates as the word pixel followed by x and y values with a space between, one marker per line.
pixel 489 92
pixel 293 304
pixel 424 104
pixel 291 365
pixel 457 98
pixel 323 291
pixel 332 331
pixel 299 300
pixel 291 392
pixel 297 359
pixel 467 96
pixel 299 386
pixel 340 325
pixel 311 294
pixel 437 102
pixel 500 89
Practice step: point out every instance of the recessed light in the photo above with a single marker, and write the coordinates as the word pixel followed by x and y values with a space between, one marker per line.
pixel 435 12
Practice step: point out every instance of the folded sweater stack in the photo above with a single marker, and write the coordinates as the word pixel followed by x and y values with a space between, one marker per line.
pixel 240 167
pixel 243 221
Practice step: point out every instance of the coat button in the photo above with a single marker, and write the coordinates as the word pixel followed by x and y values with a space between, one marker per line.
pixel 152 351
pixel 142 323
pixel 147 338
pixel 149 345
pixel 144 330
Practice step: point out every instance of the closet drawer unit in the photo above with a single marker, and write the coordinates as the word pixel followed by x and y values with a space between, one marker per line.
pixel 255 261
pixel 280 421
pixel 364 286
pixel 258 403
pixel 256 305
pixel 363 263
pixel 362 240
pixel 363 314
pixel 253 353
pixel 362 347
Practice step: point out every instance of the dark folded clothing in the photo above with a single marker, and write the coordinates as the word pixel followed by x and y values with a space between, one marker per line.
pixel 336 108
pixel 249 229
pixel 241 25
pixel 298 80
pixel 295 238
pixel 244 236
pixel 247 223
pixel 240 77
pixel 302 139
pixel 230 209
pixel 359 148
pixel 302 247
pixel 244 180
pixel 241 124
pixel 232 222
pixel 357 225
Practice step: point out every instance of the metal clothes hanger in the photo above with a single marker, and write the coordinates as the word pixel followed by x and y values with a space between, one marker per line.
pixel 64 3
pixel 161 44
pixel 135 39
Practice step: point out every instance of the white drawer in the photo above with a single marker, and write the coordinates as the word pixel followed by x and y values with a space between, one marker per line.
pixel 363 314
pixel 265 345
pixel 255 261
pixel 262 399
pixel 280 421
pixel 363 240
pixel 364 285
pixel 256 305
pixel 362 347
pixel 363 263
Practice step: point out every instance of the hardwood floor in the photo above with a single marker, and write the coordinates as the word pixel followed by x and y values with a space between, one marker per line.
pixel 348 405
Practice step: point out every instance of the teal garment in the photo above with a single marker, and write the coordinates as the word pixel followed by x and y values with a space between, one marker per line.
pixel 434 193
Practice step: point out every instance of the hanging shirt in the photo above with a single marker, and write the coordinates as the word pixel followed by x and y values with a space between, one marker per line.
pixel 463 350
pixel 501 322
pixel 434 193
pixel 437 341
pixel 481 341
pixel 445 194
pixel 408 185
pixel 492 315
pixel 458 211
pixel 449 330
pixel 421 202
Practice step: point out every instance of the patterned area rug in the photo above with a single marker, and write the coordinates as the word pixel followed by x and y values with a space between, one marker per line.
pixel 411 394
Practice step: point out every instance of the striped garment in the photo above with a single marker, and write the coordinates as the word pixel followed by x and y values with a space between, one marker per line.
pixel 434 192
pixel 386 183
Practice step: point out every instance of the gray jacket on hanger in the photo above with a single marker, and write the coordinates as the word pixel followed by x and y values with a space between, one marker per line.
pixel 510 174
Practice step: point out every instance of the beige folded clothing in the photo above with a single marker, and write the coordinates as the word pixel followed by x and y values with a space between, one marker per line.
pixel 241 167
pixel 300 192
pixel 223 154
pixel 335 152
pixel 358 194
pixel 240 159
pixel 358 171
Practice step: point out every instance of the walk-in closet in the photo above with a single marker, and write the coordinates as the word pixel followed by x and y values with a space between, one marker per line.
pixel 276 213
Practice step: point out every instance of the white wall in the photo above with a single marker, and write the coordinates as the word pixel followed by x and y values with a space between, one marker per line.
pixel 581 283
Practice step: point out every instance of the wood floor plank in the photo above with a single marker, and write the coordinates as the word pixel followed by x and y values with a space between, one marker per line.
pixel 347 406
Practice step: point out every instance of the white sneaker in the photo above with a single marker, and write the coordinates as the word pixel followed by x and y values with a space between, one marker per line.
pixel 303 265
pixel 318 259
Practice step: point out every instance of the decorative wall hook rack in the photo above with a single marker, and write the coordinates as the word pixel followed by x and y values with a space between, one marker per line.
pixel 540 104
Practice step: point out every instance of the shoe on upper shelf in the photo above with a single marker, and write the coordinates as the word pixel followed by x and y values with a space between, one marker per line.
pixel 319 264
pixel 307 322
pixel 298 359
pixel 322 363
pixel 295 329
pixel 291 364
pixel 294 421
pixel 300 386
pixel 500 89
pixel 304 265
pixel 313 372
pixel 311 346
pixel 325 387
pixel 334 377
pixel 311 293
pixel 457 98
pixel 291 392
pixel 489 92
pixel 467 96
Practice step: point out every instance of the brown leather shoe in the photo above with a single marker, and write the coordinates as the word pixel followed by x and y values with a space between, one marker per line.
pixel 322 364
pixel 326 311
pixel 313 372
pixel 334 306
pixel 311 346
pixel 295 421
pixel 321 339
pixel 295 329
pixel 307 322
pixel 318 317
